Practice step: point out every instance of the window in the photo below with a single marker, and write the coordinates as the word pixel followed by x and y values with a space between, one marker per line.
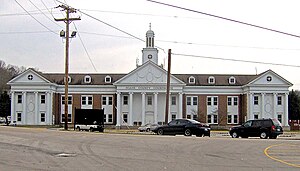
pixel 87 79
pixel 19 98
pixel 188 101
pixel 104 100
pixel 279 117
pixel 232 119
pixel 125 100
pixel 191 80
pixel 43 117
pixel 215 101
pixel 108 79
pixel 212 119
pixel 255 116
pixel 229 119
pixel 63 118
pixel 255 100
pixel 235 101
pixel 173 100
pixel 69 100
pixel 125 117
pixel 30 77
pixel 279 100
pixel 231 80
pixel 208 101
pixel 110 118
pixel 69 79
pixel 109 100
pixel 43 98
pixel 19 117
pixel 195 101
pixel 149 100
pixel 188 116
pixel 229 101
pixel 104 118
pixel 211 80
pixel 195 116
pixel 86 100
pixel 173 116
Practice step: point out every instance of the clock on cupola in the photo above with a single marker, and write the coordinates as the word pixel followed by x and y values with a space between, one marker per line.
pixel 150 52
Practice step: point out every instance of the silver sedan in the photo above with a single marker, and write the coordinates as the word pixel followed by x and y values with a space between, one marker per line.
pixel 148 127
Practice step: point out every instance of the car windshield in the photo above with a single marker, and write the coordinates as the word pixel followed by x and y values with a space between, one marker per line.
pixel 276 122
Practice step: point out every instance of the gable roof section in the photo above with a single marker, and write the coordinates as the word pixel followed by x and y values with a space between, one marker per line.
pixel 276 79
pixel 23 77
pixel 148 73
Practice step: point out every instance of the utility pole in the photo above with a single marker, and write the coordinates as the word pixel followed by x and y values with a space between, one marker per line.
pixel 67 20
pixel 168 86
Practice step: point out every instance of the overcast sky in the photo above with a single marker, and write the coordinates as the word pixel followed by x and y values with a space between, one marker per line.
pixel 30 43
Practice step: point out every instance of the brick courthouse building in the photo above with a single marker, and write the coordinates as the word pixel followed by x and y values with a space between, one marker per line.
pixel 138 97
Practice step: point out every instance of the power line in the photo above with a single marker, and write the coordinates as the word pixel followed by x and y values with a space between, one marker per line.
pixel 85 49
pixel 224 18
pixel 45 14
pixel 118 29
pixel 235 60
pixel 26 32
pixel 35 18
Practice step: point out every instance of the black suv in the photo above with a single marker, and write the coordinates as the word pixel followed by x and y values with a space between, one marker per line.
pixel 262 128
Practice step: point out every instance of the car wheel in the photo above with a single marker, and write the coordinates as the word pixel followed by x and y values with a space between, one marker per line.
pixel 188 132
pixel 78 128
pixel 160 132
pixel 263 135
pixel 148 130
pixel 235 135
pixel 91 129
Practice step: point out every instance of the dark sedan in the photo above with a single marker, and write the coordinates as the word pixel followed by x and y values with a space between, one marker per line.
pixel 187 127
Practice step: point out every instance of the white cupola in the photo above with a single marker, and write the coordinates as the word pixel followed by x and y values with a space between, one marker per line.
pixel 150 52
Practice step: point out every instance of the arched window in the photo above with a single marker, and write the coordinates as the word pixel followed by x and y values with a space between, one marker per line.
pixel 211 80
pixel 192 80
pixel 87 79
pixel 107 79
pixel 231 80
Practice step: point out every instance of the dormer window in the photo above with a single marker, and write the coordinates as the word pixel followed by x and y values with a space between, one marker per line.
pixel 87 79
pixel 69 79
pixel 231 80
pixel 192 80
pixel 108 79
pixel 211 80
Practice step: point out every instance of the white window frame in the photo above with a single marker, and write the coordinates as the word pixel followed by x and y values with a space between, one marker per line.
pixel 192 80
pixel 212 119
pixel 213 80
pixel 279 100
pixel 43 99
pixel 255 102
pixel 149 100
pixel 173 100
pixel 42 117
pixel 88 100
pixel 70 102
pixel 19 99
pixel 125 100
pixel 232 119
pixel 230 80
pixel 19 118
pixel 87 79
pixel 107 79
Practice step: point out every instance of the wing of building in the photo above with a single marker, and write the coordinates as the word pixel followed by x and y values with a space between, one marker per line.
pixel 138 97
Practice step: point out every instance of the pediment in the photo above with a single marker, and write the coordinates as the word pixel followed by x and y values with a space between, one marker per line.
pixel 29 76
pixel 148 73
pixel 270 78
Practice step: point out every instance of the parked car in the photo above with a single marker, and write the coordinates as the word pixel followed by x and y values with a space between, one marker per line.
pixel 262 128
pixel 187 127
pixel 148 127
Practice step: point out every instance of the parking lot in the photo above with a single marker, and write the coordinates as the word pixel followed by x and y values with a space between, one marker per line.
pixel 52 149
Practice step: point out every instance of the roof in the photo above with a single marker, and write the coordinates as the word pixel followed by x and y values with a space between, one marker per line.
pixel 200 79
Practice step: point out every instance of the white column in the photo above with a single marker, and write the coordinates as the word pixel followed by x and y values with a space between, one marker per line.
pixel 12 108
pixel 36 104
pixel 251 116
pixel 130 109
pixel 155 108
pixel 263 105
pixel 51 109
pixel 118 109
pixel 180 106
pixel 286 110
pixel 24 116
pixel 275 105
pixel 48 109
pixel 143 107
